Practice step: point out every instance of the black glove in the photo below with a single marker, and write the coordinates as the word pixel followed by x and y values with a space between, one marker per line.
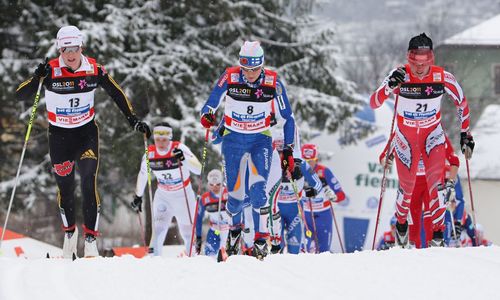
pixel 140 126
pixel 137 204
pixel 458 229
pixel 310 192
pixel 287 162
pixel 450 190
pixel 297 171
pixel 178 154
pixel 198 245
pixel 43 69
pixel 397 77
pixel 467 144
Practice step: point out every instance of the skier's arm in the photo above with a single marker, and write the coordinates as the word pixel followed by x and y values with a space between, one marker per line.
pixel 334 184
pixel 193 163
pixel 454 90
pixel 142 178
pixel 216 96
pixel 311 177
pixel 383 92
pixel 26 89
pixel 117 94
pixel 199 217
pixel 284 111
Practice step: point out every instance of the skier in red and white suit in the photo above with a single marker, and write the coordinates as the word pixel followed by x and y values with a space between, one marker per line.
pixel 420 86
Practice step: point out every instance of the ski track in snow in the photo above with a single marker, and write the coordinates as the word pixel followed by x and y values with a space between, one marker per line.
pixel 438 273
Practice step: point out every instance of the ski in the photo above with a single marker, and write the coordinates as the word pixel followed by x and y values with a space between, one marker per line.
pixel 73 258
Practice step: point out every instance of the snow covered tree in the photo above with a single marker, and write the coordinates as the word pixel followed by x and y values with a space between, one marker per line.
pixel 167 56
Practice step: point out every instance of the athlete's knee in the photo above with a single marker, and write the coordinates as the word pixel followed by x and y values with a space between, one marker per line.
pixel 234 206
pixel 258 194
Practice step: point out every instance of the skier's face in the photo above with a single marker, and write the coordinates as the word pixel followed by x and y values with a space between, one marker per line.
pixel 72 56
pixel 312 162
pixel 161 142
pixel 215 188
pixel 420 61
pixel 252 74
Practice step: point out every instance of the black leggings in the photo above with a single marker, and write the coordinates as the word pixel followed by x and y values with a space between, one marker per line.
pixel 80 145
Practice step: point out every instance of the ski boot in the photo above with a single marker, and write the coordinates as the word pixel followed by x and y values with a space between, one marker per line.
pixel 233 242
pixel 90 249
pixel 276 249
pixel 70 243
pixel 437 239
pixel 402 235
pixel 260 249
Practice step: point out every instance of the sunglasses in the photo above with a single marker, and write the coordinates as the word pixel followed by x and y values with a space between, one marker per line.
pixel 251 69
pixel 70 49
pixel 217 184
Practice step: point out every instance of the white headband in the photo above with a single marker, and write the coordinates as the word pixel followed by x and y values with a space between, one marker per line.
pixel 162 131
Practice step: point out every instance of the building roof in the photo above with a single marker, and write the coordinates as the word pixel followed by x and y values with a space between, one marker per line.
pixel 486 33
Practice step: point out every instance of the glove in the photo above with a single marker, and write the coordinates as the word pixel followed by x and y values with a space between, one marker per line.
pixel 467 144
pixel 396 78
pixel 310 192
pixel 390 161
pixel 208 120
pixel 297 171
pixel 198 245
pixel 43 69
pixel 330 195
pixel 140 126
pixel 450 190
pixel 137 204
pixel 179 154
pixel 287 162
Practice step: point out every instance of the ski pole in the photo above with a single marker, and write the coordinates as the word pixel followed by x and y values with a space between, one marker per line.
pixel 384 181
pixel 453 227
pixel 316 250
pixel 203 160
pixel 471 199
pixel 220 198
pixel 26 138
pixel 337 227
pixel 301 212
pixel 185 193
pixel 148 167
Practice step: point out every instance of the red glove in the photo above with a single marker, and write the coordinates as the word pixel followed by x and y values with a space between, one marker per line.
pixel 208 120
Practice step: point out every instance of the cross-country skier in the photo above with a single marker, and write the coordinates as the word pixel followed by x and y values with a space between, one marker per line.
pixel 218 219
pixel 171 162
pixel 420 86
pixel 249 90
pixel 70 82
pixel 319 207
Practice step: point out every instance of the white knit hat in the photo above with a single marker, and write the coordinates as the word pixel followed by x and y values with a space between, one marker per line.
pixel 214 177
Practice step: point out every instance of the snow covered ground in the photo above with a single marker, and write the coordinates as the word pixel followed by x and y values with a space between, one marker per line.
pixel 445 273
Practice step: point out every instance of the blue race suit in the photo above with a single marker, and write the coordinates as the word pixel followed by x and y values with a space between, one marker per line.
pixel 287 202
pixel 246 141
pixel 319 207
pixel 219 223
pixel 459 215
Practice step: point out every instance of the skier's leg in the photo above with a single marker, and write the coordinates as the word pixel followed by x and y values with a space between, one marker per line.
pixel 162 220
pixel 212 243
pixel 407 157
pixel 416 211
pixel 324 228
pixel 182 215
pixel 62 156
pixel 88 163
pixel 433 155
